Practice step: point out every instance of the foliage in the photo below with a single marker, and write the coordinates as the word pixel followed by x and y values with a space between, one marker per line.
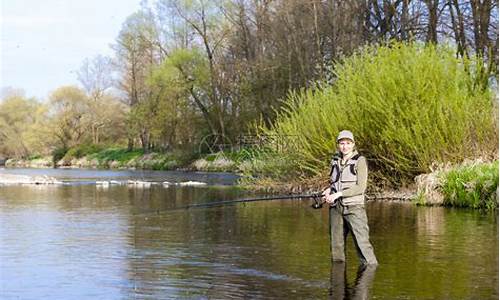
pixel 474 186
pixel 408 105
pixel 19 118
pixel 182 73
pixel 82 150
pixel 237 156
pixel 58 154
pixel 116 154
pixel 123 158
pixel 184 69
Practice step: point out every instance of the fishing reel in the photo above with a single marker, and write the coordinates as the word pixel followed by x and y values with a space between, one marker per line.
pixel 318 203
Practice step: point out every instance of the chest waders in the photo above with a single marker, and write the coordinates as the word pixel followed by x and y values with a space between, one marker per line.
pixel 348 215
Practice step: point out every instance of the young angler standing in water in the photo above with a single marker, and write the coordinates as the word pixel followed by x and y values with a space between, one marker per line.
pixel 346 196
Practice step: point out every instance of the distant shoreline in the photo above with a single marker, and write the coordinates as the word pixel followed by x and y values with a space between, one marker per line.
pixel 151 161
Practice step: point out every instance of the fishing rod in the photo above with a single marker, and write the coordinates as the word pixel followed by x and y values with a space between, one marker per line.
pixel 315 196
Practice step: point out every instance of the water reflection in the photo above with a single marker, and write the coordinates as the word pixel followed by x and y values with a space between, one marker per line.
pixel 340 288
pixel 230 252
pixel 83 242
pixel 431 221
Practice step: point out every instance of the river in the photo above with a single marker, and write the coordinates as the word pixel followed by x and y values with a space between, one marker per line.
pixel 84 241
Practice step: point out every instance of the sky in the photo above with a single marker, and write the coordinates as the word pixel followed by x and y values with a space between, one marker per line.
pixel 44 42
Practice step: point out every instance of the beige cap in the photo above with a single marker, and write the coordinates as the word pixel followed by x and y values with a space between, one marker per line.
pixel 345 134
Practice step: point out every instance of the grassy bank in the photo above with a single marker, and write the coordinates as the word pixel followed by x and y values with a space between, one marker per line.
pixel 91 156
pixel 107 158
pixel 120 158
pixel 473 184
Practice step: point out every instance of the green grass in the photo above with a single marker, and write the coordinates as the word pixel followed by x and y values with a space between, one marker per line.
pixel 420 199
pixel 472 186
pixel 35 156
pixel 83 150
pixel 408 105
pixel 117 154
pixel 247 162
pixel 120 157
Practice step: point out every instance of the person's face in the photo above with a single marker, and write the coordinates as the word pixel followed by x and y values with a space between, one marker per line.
pixel 345 146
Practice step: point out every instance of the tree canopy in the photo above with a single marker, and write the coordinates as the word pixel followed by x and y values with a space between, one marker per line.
pixel 186 69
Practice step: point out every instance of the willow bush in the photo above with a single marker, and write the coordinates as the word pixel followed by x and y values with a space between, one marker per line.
pixel 408 105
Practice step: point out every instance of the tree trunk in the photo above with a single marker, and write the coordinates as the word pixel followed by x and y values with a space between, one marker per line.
pixel 432 6
pixel 130 144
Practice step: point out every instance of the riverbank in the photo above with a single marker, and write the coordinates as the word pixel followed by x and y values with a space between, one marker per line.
pixel 114 158
pixel 471 184
pixel 120 158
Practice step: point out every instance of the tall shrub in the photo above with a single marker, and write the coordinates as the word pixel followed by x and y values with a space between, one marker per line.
pixel 408 105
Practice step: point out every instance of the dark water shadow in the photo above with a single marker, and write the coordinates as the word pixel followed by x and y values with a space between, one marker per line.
pixel 340 287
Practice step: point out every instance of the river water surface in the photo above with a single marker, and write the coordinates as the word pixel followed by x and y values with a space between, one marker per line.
pixel 85 241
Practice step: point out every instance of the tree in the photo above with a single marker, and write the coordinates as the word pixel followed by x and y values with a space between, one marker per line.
pixel 18 117
pixel 96 76
pixel 257 52
pixel 69 112
pixel 181 88
pixel 136 58
pixel 205 19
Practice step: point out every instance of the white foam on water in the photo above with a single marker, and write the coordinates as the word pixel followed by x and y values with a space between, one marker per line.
pixel 192 183
pixel 13 179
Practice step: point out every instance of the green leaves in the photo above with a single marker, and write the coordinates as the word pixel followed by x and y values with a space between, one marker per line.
pixel 167 112
pixel 182 68
pixel 408 105
pixel 19 117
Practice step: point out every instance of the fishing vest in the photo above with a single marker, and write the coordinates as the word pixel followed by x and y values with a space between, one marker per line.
pixel 344 177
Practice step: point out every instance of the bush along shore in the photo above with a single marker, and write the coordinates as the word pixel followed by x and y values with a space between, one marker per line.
pixel 410 107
